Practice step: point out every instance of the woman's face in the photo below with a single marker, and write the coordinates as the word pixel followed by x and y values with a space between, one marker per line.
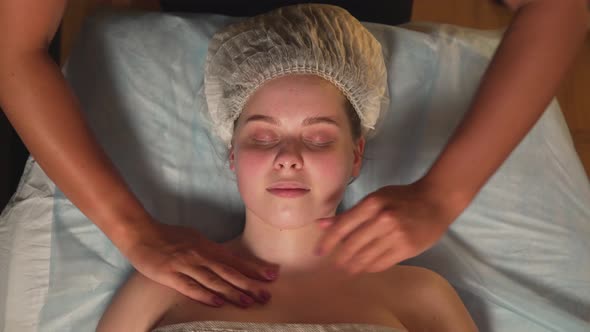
pixel 294 133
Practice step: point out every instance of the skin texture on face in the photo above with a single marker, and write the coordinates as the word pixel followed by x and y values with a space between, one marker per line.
pixel 273 143
pixel 293 128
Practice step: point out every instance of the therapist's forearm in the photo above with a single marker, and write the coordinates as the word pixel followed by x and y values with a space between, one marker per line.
pixel 46 114
pixel 536 52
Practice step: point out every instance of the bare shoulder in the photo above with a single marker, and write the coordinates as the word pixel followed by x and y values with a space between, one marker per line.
pixel 419 278
pixel 416 283
pixel 425 301
pixel 138 305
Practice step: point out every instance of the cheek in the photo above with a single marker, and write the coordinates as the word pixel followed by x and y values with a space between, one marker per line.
pixel 245 161
pixel 333 168
pixel 248 167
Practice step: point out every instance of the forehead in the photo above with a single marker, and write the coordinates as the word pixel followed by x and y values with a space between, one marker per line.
pixel 296 97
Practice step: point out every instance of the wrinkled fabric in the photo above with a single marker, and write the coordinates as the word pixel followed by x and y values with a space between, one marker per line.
pixel 221 326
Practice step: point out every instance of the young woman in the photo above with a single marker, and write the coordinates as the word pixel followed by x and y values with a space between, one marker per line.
pixel 513 93
pixel 295 93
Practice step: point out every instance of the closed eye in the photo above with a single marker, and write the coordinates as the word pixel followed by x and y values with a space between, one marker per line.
pixel 264 141
pixel 319 143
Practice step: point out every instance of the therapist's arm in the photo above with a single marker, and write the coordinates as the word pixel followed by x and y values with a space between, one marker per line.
pixel 398 222
pixel 43 109
pixel 536 52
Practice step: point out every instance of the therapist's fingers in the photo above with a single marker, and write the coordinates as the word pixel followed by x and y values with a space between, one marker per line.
pixel 251 266
pixel 243 272
pixel 364 259
pixel 362 236
pixel 188 287
pixel 385 261
pixel 218 285
pixel 343 224
pixel 163 252
pixel 235 278
pixel 254 269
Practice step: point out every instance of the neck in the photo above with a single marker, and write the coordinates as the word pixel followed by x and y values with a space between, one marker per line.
pixel 291 248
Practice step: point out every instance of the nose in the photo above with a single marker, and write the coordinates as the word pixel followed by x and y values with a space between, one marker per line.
pixel 288 157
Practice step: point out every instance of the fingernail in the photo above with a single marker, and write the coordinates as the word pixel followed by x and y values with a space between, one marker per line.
pixel 271 274
pixel 265 296
pixel 218 301
pixel 246 300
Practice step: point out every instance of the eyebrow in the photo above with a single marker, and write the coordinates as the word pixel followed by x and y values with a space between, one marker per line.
pixel 306 122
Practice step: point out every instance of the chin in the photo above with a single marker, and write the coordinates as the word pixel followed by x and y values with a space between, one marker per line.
pixel 290 213
pixel 292 218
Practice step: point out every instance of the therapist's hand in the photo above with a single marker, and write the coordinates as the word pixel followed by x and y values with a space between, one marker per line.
pixel 183 259
pixel 388 226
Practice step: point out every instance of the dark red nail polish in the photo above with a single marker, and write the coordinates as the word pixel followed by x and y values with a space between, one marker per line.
pixel 265 296
pixel 218 301
pixel 271 274
pixel 246 300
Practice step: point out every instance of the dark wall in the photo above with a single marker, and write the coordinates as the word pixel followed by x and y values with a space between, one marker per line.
pixel 390 12
pixel 13 155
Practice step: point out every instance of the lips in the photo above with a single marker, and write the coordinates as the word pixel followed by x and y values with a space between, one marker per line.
pixel 288 185
pixel 288 189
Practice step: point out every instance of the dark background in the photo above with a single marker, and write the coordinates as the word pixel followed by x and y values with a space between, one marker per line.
pixel 13 154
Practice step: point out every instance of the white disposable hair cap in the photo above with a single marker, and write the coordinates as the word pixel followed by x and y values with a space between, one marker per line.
pixel 316 39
